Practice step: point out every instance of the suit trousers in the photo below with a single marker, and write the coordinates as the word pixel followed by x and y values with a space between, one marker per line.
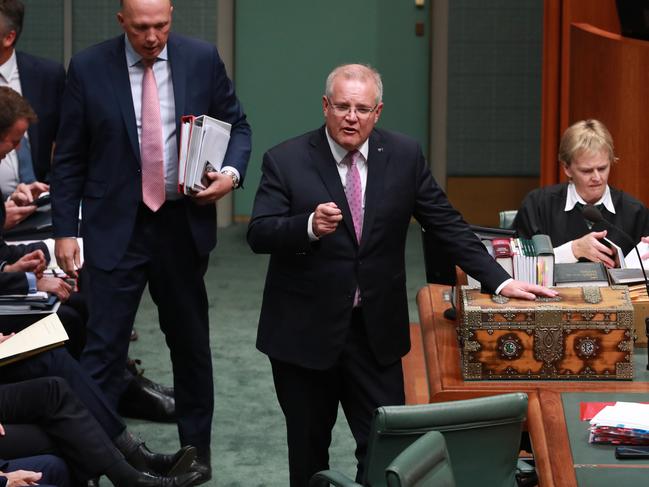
pixel 49 404
pixel 55 472
pixel 309 400
pixel 59 363
pixel 162 254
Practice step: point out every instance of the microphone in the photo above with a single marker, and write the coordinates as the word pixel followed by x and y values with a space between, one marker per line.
pixel 593 214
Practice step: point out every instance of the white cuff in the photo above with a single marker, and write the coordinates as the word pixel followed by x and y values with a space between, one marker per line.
pixel 563 254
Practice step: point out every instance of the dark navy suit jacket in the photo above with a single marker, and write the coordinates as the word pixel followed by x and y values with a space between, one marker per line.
pixel 309 291
pixel 97 157
pixel 42 82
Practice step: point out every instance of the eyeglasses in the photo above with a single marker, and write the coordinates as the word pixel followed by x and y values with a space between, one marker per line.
pixel 342 110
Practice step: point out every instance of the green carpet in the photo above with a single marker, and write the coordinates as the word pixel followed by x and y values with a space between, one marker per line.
pixel 248 432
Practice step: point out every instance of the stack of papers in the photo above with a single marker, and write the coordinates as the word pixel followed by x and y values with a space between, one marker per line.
pixel 625 423
pixel 203 144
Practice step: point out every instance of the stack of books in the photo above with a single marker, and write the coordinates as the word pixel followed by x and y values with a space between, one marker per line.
pixel 624 423
pixel 528 260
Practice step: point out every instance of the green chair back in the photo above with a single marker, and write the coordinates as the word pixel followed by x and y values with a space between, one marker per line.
pixel 507 218
pixel 482 437
pixel 425 463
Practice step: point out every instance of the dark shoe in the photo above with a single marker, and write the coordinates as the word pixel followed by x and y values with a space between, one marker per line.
pixel 184 480
pixel 93 482
pixel 132 367
pixel 139 456
pixel 202 465
pixel 143 402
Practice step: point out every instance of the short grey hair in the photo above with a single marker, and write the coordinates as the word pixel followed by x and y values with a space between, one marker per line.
pixel 363 72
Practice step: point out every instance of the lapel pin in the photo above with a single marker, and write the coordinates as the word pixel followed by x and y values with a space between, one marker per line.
pixel 380 149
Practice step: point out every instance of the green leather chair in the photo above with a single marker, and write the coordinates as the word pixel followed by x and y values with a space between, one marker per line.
pixel 482 437
pixel 425 463
pixel 507 219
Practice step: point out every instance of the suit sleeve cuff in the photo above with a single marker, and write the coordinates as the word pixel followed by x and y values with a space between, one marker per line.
pixel 309 228
pixel 499 288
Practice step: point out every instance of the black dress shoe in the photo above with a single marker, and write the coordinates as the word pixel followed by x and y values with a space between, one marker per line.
pixel 132 367
pixel 142 402
pixel 203 466
pixel 147 461
pixel 184 480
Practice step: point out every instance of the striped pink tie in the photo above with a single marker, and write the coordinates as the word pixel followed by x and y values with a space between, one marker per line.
pixel 354 192
pixel 153 185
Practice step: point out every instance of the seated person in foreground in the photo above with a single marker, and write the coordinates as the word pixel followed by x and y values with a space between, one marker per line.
pixel 586 154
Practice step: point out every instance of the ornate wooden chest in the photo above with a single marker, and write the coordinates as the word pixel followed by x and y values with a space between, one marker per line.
pixel 584 333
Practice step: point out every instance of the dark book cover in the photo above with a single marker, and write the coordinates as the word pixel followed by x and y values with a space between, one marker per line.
pixel 580 274
pixel 626 276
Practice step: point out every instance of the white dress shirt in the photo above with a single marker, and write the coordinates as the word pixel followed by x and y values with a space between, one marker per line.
pixel 338 152
pixel 9 173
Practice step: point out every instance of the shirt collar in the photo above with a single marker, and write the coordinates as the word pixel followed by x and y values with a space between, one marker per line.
pixel 340 152
pixel 132 57
pixel 7 69
pixel 572 198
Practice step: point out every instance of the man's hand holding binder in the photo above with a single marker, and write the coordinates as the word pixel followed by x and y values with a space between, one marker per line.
pixel 220 184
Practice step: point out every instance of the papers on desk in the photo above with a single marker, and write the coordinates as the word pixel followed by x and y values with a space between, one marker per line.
pixel 203 144
pixel 39 302
pixel 625 423
pixel 40 336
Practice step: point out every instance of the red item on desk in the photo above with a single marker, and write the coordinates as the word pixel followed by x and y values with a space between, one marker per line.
pixel 587 410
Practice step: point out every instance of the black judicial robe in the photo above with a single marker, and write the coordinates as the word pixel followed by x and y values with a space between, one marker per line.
pixel 542 211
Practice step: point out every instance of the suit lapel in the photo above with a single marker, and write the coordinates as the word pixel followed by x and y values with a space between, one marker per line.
pixel 179 80
pixel 29 86
pixel 118 72
pixel 326 166
pixel 377 158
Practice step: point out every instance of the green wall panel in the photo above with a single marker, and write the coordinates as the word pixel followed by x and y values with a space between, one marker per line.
pixel 43 29
pixel 284 51
pixel 96 20
pixel 494 87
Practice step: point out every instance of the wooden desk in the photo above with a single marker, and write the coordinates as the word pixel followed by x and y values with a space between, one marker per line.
pixel 546 423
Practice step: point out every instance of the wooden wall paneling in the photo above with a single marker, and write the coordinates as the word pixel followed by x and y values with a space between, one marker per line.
pixel 609 80
pixel 558 16
pixel 550 91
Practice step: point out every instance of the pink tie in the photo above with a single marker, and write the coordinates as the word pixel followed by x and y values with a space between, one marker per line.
pixel 354 192
pixel 153 185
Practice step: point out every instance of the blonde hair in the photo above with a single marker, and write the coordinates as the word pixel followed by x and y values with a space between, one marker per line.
pixel 586 136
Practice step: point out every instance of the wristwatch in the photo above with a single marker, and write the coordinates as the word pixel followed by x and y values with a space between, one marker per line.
pixel 235 178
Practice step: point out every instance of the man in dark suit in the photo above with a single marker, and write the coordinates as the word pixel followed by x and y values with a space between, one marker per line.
pixel 116 153
pixel 41 82
pixel 21 274
pixel 333 209
pixel 43 416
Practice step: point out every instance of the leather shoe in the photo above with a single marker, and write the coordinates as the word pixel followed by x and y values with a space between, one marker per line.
pixel 147 461
pixel 203 466
pixel 184 480
pixel 132 367
pixel 141 401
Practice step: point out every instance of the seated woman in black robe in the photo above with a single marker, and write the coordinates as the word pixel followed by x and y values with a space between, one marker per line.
pixel 586 154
